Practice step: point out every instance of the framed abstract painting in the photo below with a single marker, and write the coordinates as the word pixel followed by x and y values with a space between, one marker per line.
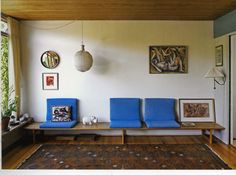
pixel 168 59
pixel 50 81
pixel 197 110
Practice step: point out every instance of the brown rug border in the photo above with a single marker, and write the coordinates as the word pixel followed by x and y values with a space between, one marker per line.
pixel 212 153
pixel 217 156
pixel 21 163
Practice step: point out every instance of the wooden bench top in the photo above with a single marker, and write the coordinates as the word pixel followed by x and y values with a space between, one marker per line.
pixel 106 126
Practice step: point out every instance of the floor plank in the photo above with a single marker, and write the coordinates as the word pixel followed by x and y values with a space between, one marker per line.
pixel 234 142
pixel 14 157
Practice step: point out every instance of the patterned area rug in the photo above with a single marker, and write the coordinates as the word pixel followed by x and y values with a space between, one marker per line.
pixel 55 156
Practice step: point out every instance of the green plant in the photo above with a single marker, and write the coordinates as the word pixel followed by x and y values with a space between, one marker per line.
pixel 12 106
pixel 4 74
pixel 8 102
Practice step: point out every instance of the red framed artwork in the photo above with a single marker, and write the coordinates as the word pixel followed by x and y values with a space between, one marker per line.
pixel 50 81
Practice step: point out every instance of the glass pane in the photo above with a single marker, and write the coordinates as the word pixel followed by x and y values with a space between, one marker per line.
pixel 4 27
pixel 4 73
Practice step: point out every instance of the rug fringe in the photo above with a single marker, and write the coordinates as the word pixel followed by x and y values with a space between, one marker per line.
pixel 18 166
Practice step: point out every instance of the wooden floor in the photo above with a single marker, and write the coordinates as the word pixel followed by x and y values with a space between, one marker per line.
pixel 234 142
pixel 14 157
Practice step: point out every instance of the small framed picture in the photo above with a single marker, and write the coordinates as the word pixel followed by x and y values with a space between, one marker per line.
pixel 219 55
pixel 197 110
pixel 50 81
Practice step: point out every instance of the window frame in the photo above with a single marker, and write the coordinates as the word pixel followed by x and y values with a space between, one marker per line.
pixel 4 18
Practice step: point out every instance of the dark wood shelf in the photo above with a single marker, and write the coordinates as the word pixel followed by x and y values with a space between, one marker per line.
pixel 20 125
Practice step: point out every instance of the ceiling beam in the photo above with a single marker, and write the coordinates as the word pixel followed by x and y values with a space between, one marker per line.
pixel 117 9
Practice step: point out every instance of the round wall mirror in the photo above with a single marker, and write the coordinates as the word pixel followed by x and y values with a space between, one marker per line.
pixel 50 59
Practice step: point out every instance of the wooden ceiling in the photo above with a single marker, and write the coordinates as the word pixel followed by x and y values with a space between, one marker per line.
pixel 117 9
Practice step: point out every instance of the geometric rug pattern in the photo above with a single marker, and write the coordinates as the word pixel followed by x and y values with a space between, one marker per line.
pixel 132 156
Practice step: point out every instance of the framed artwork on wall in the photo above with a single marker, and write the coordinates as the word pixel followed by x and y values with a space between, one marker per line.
pixel 50 81
pixel 168 59
pixel 219 55
pixel 197 110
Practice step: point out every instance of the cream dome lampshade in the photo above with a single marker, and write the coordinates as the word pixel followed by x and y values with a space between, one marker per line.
pixel 83 59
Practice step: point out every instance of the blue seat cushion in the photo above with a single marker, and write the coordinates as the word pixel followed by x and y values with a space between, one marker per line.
pixel 124 109
pixel 50 124
pixel 160 109
pixel 125 124
pixel 162 124
pixel 72 102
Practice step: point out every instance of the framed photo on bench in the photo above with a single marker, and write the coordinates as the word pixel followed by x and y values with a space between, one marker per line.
pixel 197 110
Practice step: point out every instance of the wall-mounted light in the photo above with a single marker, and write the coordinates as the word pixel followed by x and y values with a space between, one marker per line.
pixel 83 59
pixel 218 76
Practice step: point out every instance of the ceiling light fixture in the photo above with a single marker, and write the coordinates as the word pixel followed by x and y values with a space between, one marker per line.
pixel 83 59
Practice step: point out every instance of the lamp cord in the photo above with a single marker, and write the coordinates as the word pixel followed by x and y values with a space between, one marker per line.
pixel 82 30
pixel 48 28
pixel 219 82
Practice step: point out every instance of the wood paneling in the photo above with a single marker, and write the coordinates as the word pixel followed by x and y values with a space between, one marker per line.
pixel 117 9
pixel 14 157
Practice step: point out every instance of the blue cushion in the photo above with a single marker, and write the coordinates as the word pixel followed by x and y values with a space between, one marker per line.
pixel 124 109
pixel 162 124
pixel 62 102
pixel 50 124
pixel 159 109
pixel 125 124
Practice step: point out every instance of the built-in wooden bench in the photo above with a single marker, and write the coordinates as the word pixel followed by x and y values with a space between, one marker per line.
pixel 104 126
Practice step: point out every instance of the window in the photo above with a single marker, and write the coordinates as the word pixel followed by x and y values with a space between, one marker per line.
pixel 4 64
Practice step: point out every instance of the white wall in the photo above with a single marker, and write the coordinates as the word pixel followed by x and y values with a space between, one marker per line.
pixel 121 62
pixel 221 93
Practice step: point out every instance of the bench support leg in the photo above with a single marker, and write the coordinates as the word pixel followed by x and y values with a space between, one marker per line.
pixel 34 135
pixel 203 131
pixel 210 138
pixel 123 136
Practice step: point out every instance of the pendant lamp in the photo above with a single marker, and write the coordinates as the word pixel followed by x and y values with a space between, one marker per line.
pixel 83 59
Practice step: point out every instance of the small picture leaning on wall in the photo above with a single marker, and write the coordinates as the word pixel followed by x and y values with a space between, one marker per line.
pixel 197 110
pixel 168 59
pixel 219 55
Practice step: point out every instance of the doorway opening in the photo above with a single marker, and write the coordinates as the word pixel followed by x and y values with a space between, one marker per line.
pixel 233 89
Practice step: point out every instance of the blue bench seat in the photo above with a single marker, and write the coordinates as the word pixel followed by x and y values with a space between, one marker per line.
pixel 50 124
pixel 125 124
pixel 162 124
pixel 72 102
pixel 125 113
pixel 160 113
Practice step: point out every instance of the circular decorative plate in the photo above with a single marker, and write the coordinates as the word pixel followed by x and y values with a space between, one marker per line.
pixel 50 59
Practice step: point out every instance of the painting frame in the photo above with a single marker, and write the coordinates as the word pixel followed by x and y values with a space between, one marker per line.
pixel 201 110
pixel 50 81
pixel 50 59
pixel 219 55
pixel 168 59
